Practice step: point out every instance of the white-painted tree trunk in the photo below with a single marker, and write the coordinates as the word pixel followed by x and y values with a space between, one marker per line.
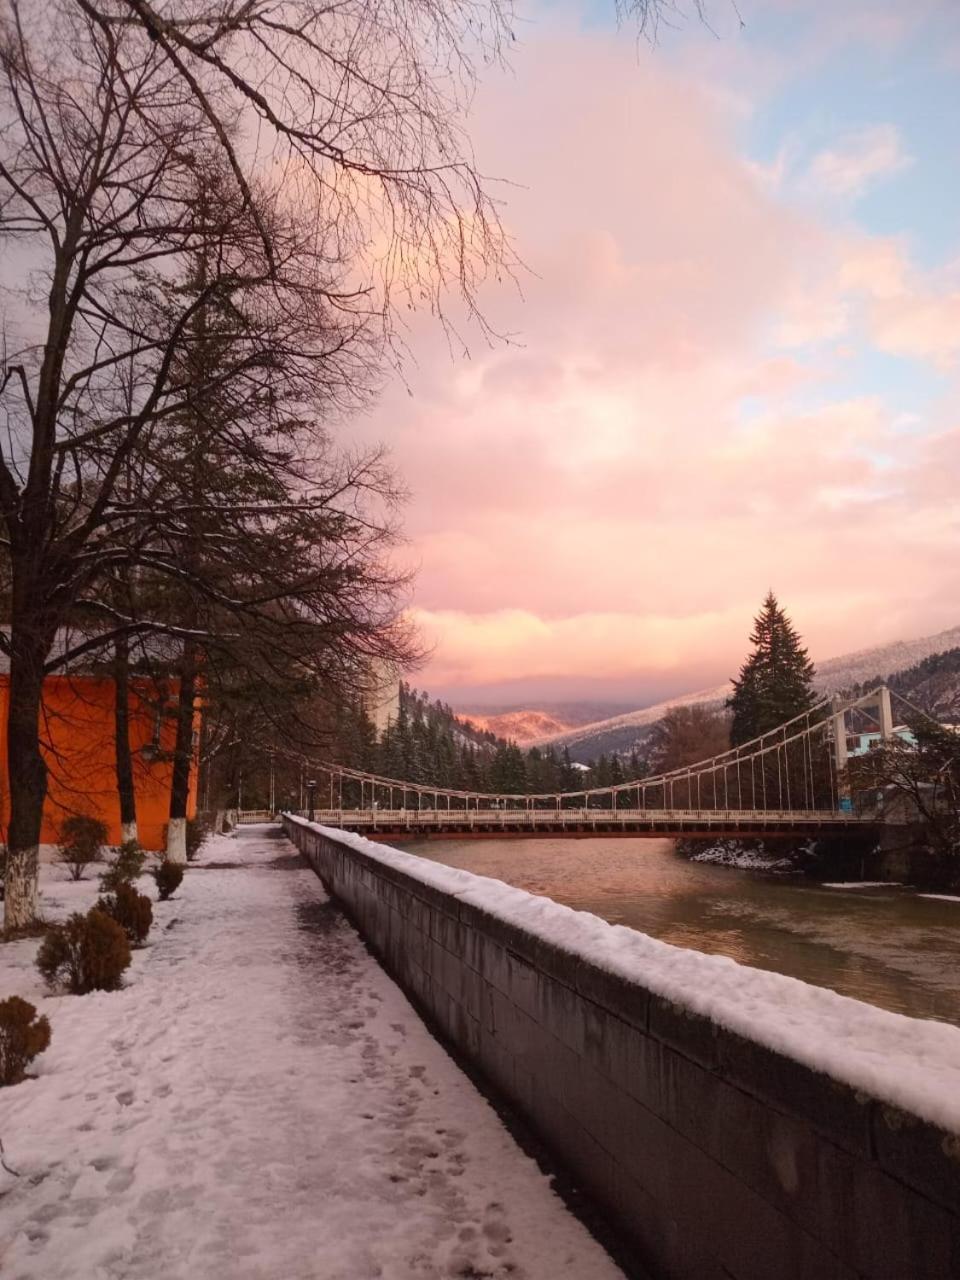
pixel 20 888
pixel 128 833
pixel 177 841
pixel 218 820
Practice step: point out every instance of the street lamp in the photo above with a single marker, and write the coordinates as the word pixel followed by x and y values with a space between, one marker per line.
pixel 311 790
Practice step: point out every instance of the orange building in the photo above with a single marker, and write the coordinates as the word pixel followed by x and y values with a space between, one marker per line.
pixel 77 733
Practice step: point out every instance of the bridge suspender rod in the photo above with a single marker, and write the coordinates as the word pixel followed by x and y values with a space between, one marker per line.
pixel 786 773
pixel 805 745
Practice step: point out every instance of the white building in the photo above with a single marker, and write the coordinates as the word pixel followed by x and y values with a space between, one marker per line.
pixel 381 701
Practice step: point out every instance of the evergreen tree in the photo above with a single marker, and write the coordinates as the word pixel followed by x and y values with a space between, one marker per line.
pixel 568 775
pixel 775 682
pixel 508 772
pixel 638 768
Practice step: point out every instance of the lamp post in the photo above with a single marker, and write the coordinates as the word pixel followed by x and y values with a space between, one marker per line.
pixel 311 790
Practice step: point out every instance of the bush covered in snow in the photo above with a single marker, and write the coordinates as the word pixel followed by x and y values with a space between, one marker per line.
pixel 168 876
pixel 126 867
pixel 82 838
pixel 22 1036
pixel 133 911
pixel 85 953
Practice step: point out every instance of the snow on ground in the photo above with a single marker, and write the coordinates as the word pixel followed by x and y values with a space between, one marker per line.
pixel 261 1102
pixel 940 897
pixel 913 1063
pixel 863 884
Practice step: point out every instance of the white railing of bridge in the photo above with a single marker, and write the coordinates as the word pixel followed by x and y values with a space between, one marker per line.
pixel 553 818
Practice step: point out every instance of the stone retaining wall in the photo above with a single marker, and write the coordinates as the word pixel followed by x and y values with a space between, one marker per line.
pixel 717 1157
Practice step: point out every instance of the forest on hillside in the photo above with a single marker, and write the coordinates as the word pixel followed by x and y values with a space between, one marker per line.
pixel 428 743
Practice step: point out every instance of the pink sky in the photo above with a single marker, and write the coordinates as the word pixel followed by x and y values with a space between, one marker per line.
pixel 688 415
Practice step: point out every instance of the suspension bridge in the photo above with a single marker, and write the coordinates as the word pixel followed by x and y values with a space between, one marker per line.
pixel 792 780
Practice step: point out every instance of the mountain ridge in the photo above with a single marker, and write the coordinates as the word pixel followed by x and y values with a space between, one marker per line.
pixel 623 732
pixel 518 726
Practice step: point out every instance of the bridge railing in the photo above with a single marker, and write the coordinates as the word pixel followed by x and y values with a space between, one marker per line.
pixel 554 818
pixel 255 815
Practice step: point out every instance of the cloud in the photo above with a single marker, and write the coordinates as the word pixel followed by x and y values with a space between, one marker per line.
pixel 640 653
pixel 925 325
pixel 858 160
pixel 609 496
pixel 908 312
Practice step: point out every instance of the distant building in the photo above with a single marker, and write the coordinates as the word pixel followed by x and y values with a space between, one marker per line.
pixel 381 700
pixel 858 744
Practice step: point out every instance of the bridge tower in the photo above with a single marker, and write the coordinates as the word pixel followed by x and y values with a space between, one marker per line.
pixel 878 702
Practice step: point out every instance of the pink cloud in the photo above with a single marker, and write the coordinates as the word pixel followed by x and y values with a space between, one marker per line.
pixel 858 159
pixel 612 494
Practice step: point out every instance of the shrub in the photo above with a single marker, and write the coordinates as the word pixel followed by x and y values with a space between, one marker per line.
pixel 132 911
pixel 22 1036
pixel 126 867
pixel 81 842
pixel 86 953
pixel 198 829
pixel 168 876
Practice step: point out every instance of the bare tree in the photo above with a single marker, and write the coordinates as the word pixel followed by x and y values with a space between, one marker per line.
pixel 687 735
pixel 109 107
pixel 361 106
pixel 917 780
pixel 98 172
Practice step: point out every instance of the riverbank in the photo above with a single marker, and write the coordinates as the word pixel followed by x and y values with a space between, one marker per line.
pixel 744 855
pixel 261 1100
pixel 849 858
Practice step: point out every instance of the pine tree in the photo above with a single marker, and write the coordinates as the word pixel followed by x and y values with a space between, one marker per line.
pixel 568 775
pixel 775 682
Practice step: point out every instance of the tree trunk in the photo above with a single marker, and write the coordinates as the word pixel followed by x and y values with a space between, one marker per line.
pixel 26 772
pixel 125 788
pixel 182 757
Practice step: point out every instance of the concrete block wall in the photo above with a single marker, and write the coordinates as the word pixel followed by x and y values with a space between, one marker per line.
pixel 718 1158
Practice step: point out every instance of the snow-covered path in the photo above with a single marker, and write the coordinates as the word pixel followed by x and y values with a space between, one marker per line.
pixel 262 1102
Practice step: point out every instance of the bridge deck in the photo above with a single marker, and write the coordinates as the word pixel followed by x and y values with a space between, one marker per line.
pixel 384 824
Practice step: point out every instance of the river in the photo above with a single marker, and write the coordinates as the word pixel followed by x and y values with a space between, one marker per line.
pixel 889 946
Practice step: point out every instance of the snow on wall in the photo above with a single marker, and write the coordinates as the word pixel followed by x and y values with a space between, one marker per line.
pixel 911 1063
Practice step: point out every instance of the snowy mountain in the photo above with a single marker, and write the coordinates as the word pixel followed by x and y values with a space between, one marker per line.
pixel 623 733
pixel 519 726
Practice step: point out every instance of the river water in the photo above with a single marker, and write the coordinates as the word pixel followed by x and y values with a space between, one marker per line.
pixel 889 946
